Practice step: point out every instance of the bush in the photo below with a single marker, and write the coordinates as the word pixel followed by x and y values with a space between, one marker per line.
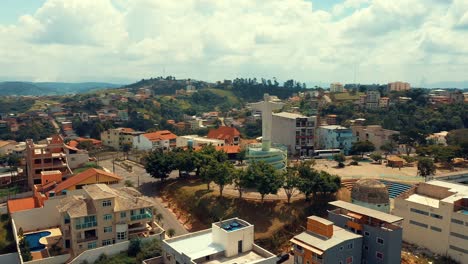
pixel 341 165
pixel 356 158
pixel 134 247
pixel 354 163
pixel 408 159
pixel 148 250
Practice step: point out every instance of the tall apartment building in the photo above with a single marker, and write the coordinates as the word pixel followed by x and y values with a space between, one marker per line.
pixel 335 137
pixel 336 87
pixel 324 242
pixel 381 232
pixel 374 134
pixel 436 217
pixel 295 131
pixel 372 99
pixel 117 137
pixel 228 241
pixel 103 216
pixel 50 156
pixel 398 86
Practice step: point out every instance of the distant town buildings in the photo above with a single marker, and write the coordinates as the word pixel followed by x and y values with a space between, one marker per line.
pixel 374 134
pixel 436 217
pixel 227 241
pixel 398 86
pixel 372 99
pixel 117 137
pixel 230 135
pixel 441 96
pixel 295 131
pixel 164 140
pixel 336 87
pixel 335 137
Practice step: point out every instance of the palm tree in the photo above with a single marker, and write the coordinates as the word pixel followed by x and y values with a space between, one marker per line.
pixel 159 217
pixel 171 232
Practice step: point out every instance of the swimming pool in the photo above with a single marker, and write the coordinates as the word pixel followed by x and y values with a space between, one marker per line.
pixel 33 240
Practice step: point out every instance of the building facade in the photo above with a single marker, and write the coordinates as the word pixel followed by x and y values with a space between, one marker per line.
pixel 324 242
pixel 295 131
pixel 335 137
pixel 381 232
pixel 230 135
pixel 103 216
pixel 336 87
pixel 374 134
pixel 117 137
pixel 398 86
pixel 372 99
pixel 164 140
pixel 197 141
pixel 228 241
pixel 436 211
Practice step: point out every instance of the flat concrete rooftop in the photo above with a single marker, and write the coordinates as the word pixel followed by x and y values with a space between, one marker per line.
pixel 244 258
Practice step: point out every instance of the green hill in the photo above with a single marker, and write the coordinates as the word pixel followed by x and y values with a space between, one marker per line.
pixel 50 88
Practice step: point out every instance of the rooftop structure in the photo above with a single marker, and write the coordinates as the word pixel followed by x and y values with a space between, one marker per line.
pixel 436 211
pixel 230 135
pixel 372 194
pixel 229 241
pixel 163 139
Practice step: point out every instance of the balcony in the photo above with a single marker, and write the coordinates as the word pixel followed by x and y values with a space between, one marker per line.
pixel 86 225
pixel 143 229
pixel 146 215
pixel 86 239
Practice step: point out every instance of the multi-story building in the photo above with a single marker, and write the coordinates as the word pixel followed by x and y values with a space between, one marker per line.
pixel 103 216
pixel 398 86
pixel 163 139
pixel 336 87
pixel 335 137
pixel 374 134
pixel 381 232
pixel 436 217
pixel 230 135
pixel 295 131
pixel 324 242
pixel 117 137
pixel 53 155
pixel 227 241
pixel 197 141
pixel 384 102
pixel 372 99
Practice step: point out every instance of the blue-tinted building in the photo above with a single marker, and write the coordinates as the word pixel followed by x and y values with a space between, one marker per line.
pixel 335 137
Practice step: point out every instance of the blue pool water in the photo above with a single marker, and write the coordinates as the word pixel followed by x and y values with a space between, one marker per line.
pixel 233 226
pixel 33 240
pixel 464 212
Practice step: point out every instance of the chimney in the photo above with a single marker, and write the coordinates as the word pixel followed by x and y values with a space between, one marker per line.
pixel 320 226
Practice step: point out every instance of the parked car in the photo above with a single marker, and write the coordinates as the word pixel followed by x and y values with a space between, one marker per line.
pixel 282 257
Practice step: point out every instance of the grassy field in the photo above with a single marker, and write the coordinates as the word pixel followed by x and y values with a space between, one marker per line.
pixel 275 221
pixel 231 97
pixel 7 242
pixel 42 104
pixel 346 96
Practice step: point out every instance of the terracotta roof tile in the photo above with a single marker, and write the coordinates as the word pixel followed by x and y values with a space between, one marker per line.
pixel 224 133
pixel 160 135
pixel 21 204
pixel 81 177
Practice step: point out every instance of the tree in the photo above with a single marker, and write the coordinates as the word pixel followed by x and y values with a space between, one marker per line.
pixel 309 182
pixel 387 147
pixel 183 161
pixel 375 156
pixel 340 158
pixel 171 232
pixel 241 155
pixel 86 144
pixel 291 182
pixel 158 164
pixel 24 249
pixel 264 178
pixel 126 147
pixel 361 147
pixel 134 247
pixel 240 180
pixel 330 183
pixel 426 167
pixel 223 175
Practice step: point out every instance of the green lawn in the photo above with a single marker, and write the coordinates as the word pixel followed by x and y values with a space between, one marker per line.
pixel 231 97
pixel 7 242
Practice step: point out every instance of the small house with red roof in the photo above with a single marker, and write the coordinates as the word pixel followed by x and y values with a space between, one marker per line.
pixel 163 139
pixel 230 135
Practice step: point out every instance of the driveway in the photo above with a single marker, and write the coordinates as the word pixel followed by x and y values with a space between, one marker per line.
pixel 147 186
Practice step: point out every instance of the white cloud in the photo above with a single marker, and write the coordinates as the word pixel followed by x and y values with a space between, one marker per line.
pixel 381 40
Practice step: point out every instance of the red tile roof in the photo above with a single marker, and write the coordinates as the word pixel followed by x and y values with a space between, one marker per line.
pixel 94 141
pixel 160 135
pixel 73 143
pixel 81 177
pixel 126 129
pixel 224 133
pixel 229 149
pixel 21 204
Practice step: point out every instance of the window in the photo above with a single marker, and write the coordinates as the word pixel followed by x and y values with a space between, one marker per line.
pixel 107 217
pixel 106 242
pixel 436 216
pixel 106 203
pixel 379 240
pixel 459 249
pixel 92 245
pixel 418 224
pixel 142 211
pixel 121 235
pixel 414 210
pixel 349 246
pixel 107 229
pixel 456 221
pixel 436 229
pixel 341 248
pixel 123 214
pixel 366 233
pixel 379 255
pixel 349 260
pixel 459 235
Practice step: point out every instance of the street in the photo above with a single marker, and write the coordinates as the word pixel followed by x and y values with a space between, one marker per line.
pixel 147 186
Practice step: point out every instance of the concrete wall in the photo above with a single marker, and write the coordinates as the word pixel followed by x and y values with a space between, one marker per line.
pixel 11 258
pixel 92 255
pixel 229 239
pixel 38 218
pixel 142 143
pixel 283 131
pixel 52 260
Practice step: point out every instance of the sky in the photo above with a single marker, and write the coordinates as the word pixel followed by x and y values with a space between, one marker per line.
pixel 313 41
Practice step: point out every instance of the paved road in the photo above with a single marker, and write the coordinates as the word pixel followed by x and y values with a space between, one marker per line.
pixel 147 186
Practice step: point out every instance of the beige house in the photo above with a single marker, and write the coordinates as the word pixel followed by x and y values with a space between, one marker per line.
pixel 436 217
pixel 103 216
pixel 117 137
pixel 373 133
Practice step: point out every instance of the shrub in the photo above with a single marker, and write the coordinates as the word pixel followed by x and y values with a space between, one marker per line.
pixel 134 247
pixel 354 163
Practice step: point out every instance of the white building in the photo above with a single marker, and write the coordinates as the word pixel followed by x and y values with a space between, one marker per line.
pixel 336 87
pixel 438 138
pixel 436 217
pixel 197 141
pixel 163 139
pixel 295 131
pixel 229 241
